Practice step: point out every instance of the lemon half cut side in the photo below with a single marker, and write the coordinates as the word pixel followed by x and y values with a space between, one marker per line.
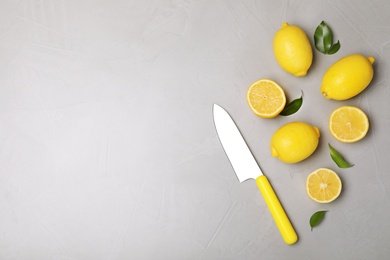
pixel 323 185
pixel 266 98
pixel 348 124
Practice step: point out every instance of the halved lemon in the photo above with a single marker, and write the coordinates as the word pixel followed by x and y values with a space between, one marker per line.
pixel 323 185
pixel 266 98
pixel 348 124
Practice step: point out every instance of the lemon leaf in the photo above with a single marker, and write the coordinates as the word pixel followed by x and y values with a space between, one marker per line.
pixel 292 107
pixel 338 158
pixel 323 39
pixel 334 48
pixel 316 218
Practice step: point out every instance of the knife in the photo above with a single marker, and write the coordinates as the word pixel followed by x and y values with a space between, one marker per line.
pixel 246 167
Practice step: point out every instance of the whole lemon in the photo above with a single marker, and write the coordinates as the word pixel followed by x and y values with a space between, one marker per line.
pixel 347 77
pixel 292 49
pixel 294 142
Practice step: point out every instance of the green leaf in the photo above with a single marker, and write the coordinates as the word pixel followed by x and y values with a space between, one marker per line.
pixel 334 48
pixel 338 158
pixel 323 39
pixel 316 218
pixel 292 107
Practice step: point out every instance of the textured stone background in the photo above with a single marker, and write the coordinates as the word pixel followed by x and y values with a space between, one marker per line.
pixel 107 143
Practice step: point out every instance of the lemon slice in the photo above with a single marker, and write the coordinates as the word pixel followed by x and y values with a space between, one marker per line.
pixel 323 185
pixel 266 98
pixel 348 124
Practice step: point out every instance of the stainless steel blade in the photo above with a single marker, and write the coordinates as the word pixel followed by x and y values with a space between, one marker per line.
pixel 241 158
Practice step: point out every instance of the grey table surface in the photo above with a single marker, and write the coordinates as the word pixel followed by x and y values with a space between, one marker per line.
pixel 107 143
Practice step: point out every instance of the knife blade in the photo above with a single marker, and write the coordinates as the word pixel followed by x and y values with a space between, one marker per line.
pixel 246 167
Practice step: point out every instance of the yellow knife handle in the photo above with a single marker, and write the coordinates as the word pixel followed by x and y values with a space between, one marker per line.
pixel 277 211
